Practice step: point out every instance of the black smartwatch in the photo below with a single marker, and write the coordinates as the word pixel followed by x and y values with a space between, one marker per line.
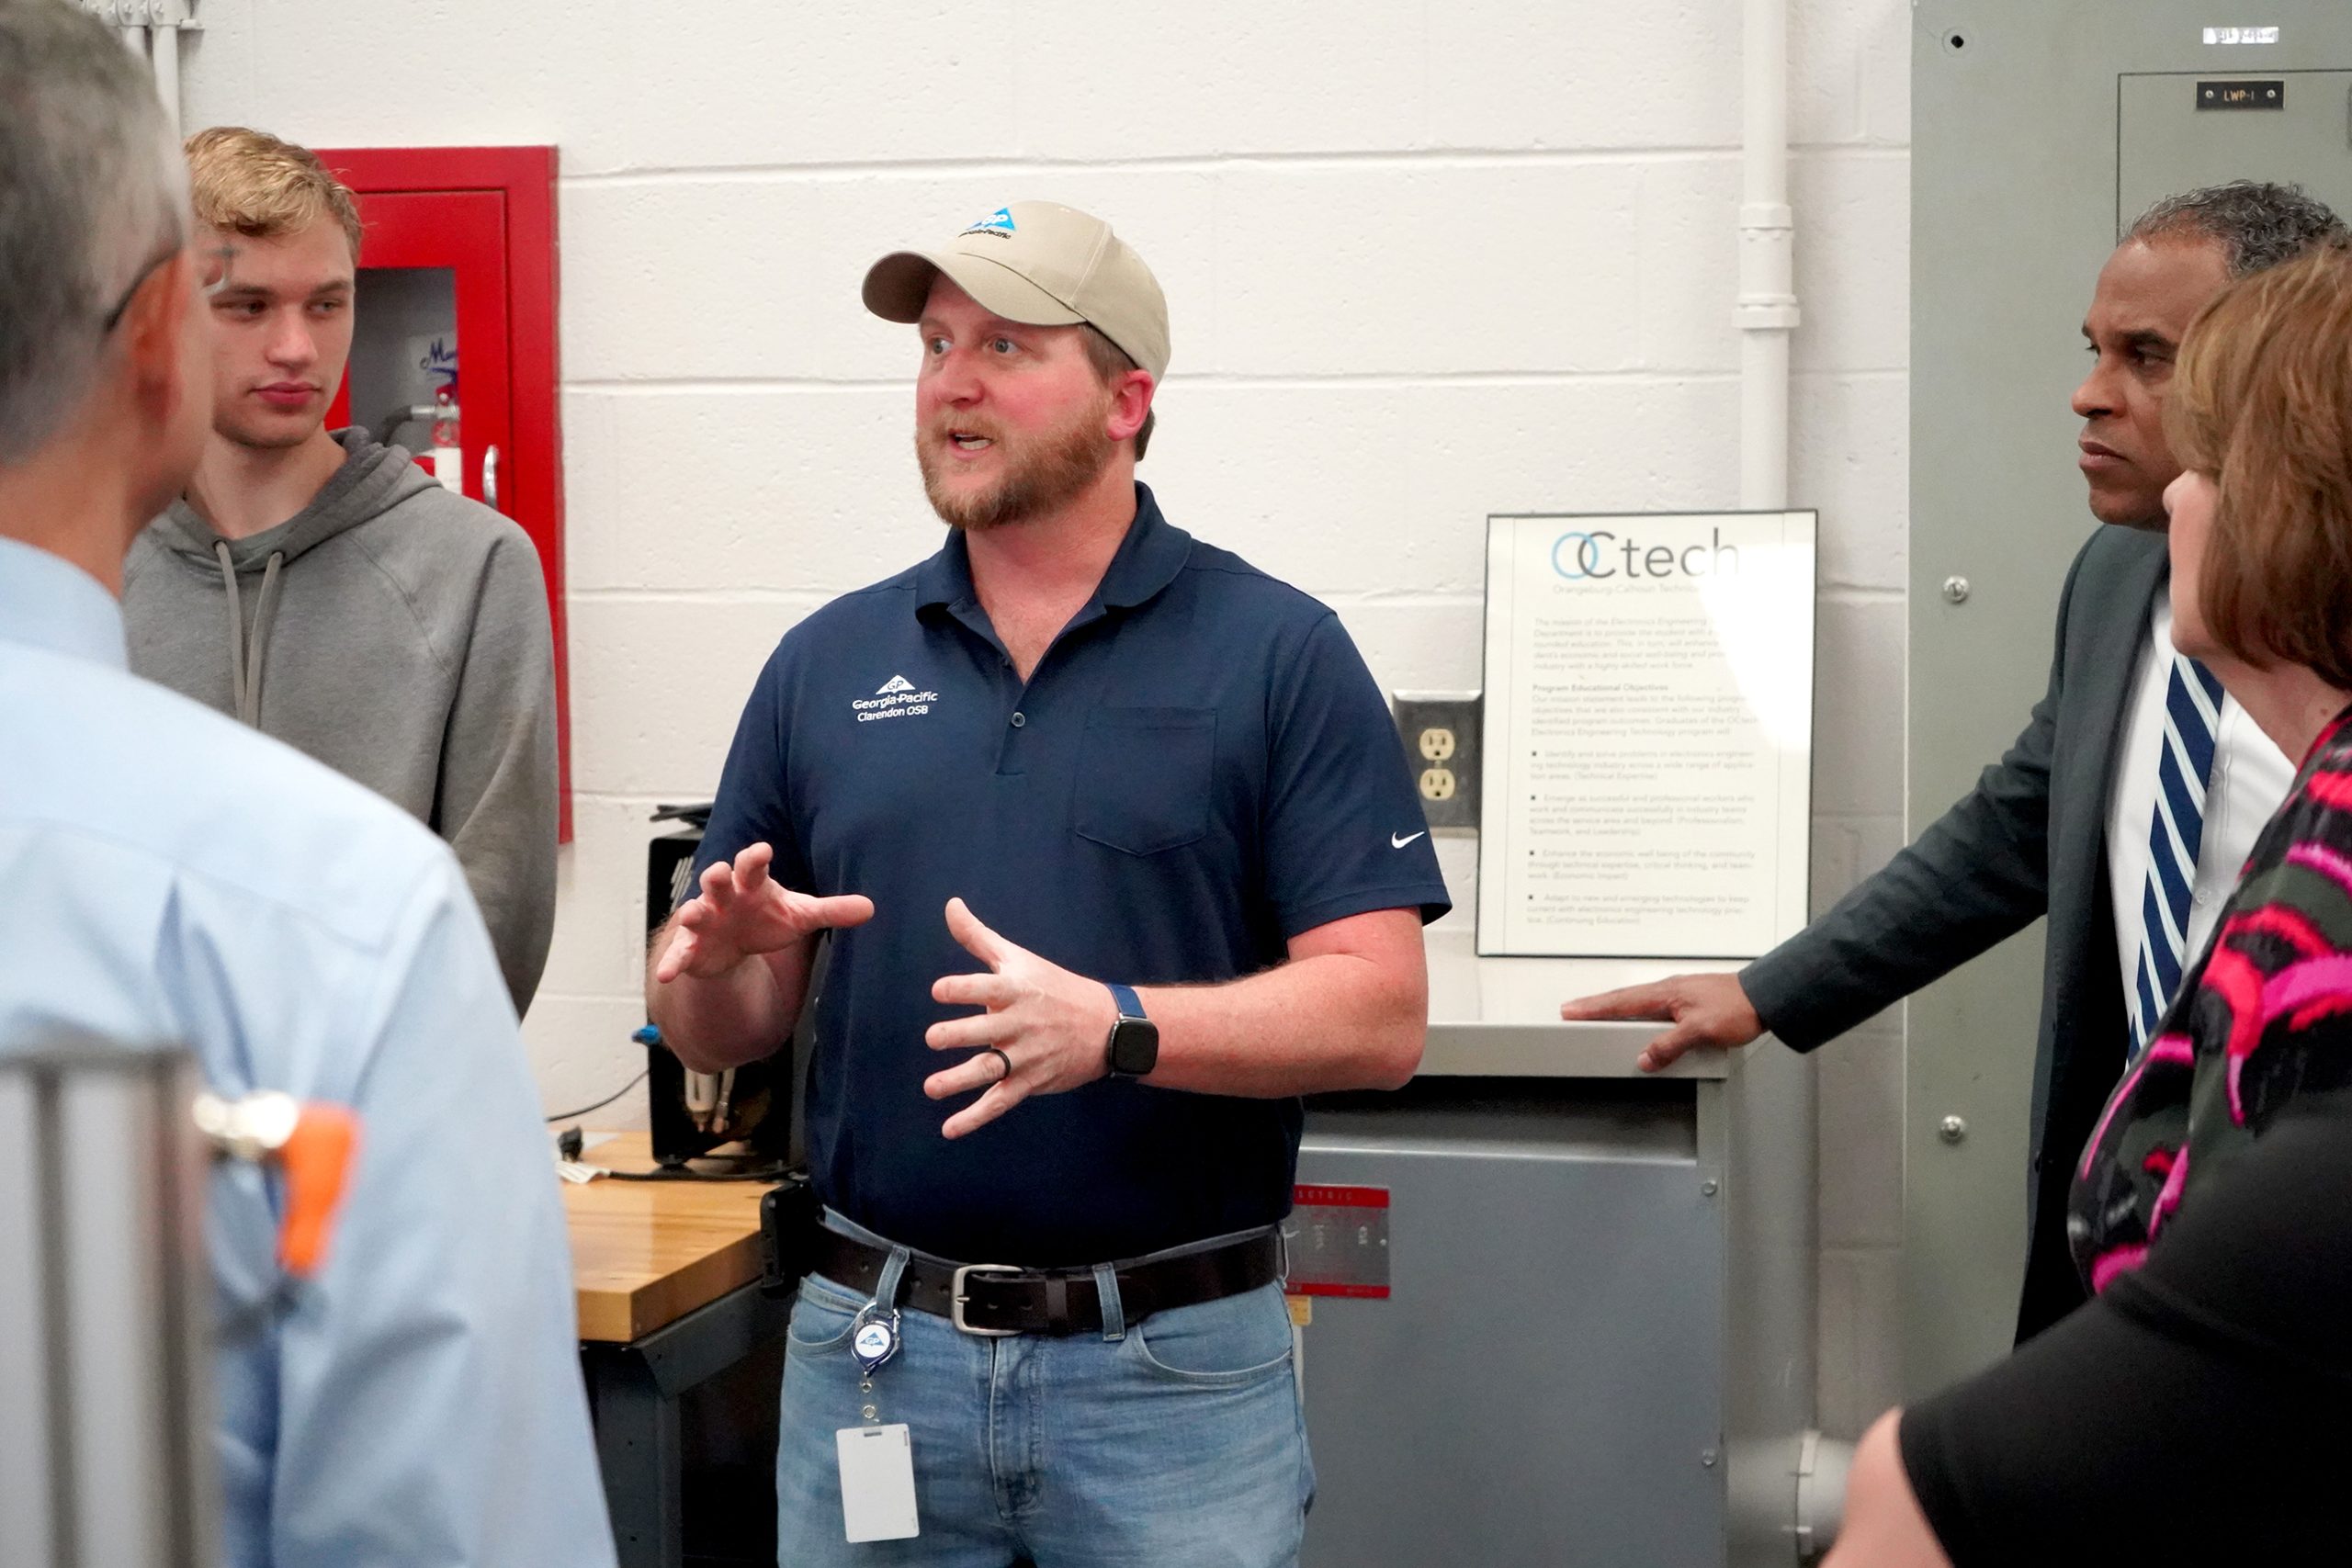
pixel 1134 1048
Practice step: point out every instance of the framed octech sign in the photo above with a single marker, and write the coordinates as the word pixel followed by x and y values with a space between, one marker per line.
pixel 1649 764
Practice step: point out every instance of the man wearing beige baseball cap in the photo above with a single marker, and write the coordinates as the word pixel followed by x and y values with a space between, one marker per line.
pixel 1050 1327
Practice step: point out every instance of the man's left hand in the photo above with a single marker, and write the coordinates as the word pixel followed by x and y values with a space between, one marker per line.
pixel 1054 1027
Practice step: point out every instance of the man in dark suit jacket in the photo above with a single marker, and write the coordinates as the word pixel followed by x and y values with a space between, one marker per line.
pixel 2031 839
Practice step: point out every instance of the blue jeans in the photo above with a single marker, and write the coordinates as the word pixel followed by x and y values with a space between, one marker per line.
pixel 1172 1443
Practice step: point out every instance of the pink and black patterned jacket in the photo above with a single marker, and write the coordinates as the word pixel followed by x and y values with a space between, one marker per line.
pixel 2265 1016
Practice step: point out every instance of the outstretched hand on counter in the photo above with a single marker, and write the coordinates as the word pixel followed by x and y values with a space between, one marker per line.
pixel 1706 1010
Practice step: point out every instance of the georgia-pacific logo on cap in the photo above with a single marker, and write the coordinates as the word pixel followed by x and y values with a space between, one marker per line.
pixel 997 222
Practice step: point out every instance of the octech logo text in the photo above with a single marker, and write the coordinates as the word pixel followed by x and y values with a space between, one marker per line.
pixel 1580 557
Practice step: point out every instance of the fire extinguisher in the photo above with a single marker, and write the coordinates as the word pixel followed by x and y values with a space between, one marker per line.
pixel 448 453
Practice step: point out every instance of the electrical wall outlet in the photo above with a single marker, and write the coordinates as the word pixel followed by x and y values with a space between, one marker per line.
pixel 1441 733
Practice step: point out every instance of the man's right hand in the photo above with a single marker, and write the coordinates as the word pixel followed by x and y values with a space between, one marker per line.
pixel 1706 1010
pixel 741 911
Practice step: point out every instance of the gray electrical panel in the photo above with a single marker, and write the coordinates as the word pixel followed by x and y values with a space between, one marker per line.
pixel 2038 130
pixel 1596 1343
pixel 1546 1384
pixel 2178 129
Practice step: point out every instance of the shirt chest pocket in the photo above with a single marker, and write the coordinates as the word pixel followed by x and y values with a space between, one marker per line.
pixel 1143 776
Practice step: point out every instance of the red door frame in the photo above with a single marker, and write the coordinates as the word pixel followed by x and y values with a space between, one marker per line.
pixel 531 467
pixel 464 231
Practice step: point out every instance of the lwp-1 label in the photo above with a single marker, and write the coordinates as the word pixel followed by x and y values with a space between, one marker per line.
pixel 1336 1241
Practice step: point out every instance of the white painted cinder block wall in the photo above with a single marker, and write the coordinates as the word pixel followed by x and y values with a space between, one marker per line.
pixel 1425 262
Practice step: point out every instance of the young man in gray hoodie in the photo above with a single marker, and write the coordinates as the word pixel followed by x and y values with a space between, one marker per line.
pixel 324 589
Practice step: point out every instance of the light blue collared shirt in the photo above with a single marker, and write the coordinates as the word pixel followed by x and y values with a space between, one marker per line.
pixel 168 874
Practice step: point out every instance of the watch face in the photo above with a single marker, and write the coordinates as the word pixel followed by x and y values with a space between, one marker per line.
pixel 1134 1046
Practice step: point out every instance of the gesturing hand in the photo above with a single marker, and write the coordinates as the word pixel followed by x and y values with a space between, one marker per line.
pixel 1052 1026
pixel 1706 1010
pixel 741 911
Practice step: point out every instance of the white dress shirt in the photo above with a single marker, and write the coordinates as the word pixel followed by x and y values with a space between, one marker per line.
pixel 166 873
pixel 2251 777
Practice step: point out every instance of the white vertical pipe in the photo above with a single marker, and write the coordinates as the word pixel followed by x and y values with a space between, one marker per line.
pixel 1768 314
pixel 164 52
pixel 1768 304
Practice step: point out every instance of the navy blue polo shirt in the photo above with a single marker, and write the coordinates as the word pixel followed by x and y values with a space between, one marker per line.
pixel 1199 768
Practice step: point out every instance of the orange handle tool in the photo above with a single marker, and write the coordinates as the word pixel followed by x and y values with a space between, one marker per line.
pixel 316 1158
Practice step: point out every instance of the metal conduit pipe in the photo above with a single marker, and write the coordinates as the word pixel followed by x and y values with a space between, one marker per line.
pixel 1768 305
pixel 151 31
pixel 1821 1466
pixel 164 55
pixel 1767 315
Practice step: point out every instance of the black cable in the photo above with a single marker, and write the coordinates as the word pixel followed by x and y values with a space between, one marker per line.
pixel 568 1115
pixel 773 1171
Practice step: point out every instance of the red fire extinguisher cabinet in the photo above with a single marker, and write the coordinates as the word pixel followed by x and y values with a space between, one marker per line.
pixel 459 255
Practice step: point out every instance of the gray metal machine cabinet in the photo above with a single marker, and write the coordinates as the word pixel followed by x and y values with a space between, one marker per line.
pixel 2038 129
pixel 1599 1347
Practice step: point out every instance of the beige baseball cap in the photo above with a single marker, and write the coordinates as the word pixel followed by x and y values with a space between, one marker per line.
pixel 1041 263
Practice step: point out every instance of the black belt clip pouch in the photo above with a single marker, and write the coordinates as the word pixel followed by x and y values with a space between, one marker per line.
pixel 787 1234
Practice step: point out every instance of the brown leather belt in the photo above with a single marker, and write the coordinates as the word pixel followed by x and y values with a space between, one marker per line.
pixel 996 1299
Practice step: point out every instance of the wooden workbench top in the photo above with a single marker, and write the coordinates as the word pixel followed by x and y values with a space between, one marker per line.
pixel 647 1253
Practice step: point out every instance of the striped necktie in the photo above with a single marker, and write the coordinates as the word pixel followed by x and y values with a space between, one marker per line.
pixel 2193 717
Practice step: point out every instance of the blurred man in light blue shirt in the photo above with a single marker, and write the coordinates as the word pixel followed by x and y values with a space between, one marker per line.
pixel 165 873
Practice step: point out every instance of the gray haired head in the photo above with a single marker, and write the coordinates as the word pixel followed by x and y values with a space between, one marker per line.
pixel 2258 224
pixel 91 191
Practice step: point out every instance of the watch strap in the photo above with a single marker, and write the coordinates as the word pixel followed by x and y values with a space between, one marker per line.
pixel 1124 998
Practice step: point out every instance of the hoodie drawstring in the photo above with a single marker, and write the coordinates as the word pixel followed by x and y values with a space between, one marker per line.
pixel 236 627
pixel 244 671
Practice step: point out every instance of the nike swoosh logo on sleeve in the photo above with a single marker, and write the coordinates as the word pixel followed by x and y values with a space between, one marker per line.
pixel 1396 843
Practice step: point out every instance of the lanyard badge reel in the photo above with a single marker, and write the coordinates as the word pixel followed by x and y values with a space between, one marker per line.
pixel 877 1464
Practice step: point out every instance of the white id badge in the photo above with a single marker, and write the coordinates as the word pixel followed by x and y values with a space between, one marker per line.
pixel 877 1483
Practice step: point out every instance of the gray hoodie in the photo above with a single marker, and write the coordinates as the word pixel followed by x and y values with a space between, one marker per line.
pixel 397 633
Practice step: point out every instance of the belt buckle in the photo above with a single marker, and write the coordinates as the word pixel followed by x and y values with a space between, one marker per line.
pixel 957 1298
